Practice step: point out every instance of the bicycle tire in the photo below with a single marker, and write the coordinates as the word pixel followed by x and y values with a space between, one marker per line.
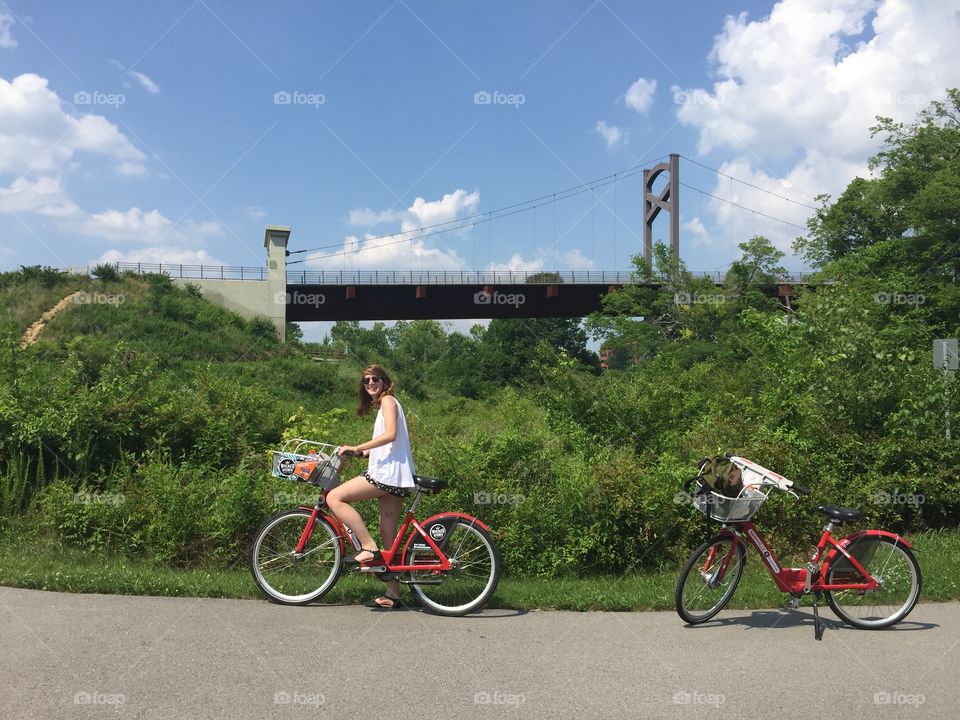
pixel 457 592
pixel 291 580
pixel 897 570
pixel 694 588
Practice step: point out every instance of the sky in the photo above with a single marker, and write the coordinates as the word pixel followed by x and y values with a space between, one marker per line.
pixel 176 131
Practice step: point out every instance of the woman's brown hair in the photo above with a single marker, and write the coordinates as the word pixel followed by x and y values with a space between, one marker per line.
pixel 386 388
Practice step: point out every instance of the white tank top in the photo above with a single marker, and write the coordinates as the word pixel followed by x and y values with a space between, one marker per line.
pixel 392 464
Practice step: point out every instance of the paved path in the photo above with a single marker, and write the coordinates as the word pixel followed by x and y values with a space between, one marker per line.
pixel 98 656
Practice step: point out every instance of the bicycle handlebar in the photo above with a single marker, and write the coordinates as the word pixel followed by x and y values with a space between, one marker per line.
pixel 352 453
pixel 800 490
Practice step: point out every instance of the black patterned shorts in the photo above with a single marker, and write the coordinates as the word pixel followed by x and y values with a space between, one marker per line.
pixel 390 489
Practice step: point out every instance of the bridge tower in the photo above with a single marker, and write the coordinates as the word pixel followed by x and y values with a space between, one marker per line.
pixel 668 199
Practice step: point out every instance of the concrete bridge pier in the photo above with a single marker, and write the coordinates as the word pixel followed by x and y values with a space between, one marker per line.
pixel 255 298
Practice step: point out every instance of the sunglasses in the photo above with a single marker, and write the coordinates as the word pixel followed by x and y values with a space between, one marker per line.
pixel 372 380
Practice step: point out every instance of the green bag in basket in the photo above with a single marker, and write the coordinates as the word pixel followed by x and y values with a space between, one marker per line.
pixel 720 475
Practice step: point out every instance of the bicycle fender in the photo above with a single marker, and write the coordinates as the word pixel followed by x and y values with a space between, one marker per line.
pixel 438 527
pixel 850 539
pixel 334 523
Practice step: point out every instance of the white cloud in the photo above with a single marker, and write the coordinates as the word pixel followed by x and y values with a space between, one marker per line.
pixel 6 39
pixel 422 213
pixel 255 212
pixel 448 208
pixel 37 136
pixel 611 134
pixel 640 95
pixel 149 85
pixel 368 218
pixel 160 255
pixel 44 196
pixel 571 259
pixel 401 252
pixel 144 226
pixel 805 84
pixel 697 229
pixel 788 82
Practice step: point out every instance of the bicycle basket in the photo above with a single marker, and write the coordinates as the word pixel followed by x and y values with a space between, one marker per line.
pixel 729 509
pixel 308 461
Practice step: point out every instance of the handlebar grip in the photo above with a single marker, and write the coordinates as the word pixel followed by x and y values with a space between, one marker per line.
pixel 800 490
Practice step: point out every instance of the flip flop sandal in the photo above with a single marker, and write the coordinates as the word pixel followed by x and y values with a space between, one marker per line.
pixel 396 603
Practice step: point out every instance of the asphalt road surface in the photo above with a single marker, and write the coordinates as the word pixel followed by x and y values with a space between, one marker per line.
pixel 99 656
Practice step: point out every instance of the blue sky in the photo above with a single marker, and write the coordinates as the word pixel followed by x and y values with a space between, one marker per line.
pixel 159 131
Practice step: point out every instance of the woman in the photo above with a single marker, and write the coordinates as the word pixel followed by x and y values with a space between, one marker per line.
pixel 389 475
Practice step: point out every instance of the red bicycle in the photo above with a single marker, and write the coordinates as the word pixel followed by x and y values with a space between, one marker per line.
pixel 449 560
pixel 871 578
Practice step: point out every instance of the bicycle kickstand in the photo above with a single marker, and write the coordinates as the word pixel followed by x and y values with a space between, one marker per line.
pixel 817 625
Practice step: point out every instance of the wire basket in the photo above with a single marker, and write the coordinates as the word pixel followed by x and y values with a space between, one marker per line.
pixel 729 509
pixel 308 461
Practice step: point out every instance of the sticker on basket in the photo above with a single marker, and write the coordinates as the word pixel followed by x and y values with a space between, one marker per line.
pixel 286 466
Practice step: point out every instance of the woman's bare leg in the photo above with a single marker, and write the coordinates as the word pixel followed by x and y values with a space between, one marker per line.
pixel 390 508
pixel 339 501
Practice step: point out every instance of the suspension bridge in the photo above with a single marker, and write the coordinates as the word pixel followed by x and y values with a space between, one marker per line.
pixel 287 289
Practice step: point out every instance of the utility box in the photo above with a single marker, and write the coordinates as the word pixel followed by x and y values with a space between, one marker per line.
pixel 945 353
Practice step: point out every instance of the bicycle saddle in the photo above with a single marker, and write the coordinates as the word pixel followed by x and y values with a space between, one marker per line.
pixel 429 484
pixel 840 514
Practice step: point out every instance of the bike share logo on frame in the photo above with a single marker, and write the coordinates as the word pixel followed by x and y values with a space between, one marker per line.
pixel 438 532
pixel 767 555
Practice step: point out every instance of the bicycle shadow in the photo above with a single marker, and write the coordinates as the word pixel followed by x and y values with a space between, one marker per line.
pixel 786 618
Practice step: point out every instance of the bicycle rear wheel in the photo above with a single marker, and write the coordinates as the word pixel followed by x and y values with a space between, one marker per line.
pixel 285 576
pixel 469 583
pixel 895 569
pixel 700 593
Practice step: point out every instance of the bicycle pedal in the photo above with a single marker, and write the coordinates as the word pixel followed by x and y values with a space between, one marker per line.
pixel 387 576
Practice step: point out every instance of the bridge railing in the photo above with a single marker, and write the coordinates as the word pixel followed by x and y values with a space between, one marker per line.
pixel 484 277
pixel 180 270
pixel 404 277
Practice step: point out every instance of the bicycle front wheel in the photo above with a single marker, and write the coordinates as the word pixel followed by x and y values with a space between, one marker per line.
pixel 898 576
pixel 286 576
pixel 702 591
pixel 469 583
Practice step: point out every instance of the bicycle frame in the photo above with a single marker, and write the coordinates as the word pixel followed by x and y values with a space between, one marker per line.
pixel 393 552
pixel 811 578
